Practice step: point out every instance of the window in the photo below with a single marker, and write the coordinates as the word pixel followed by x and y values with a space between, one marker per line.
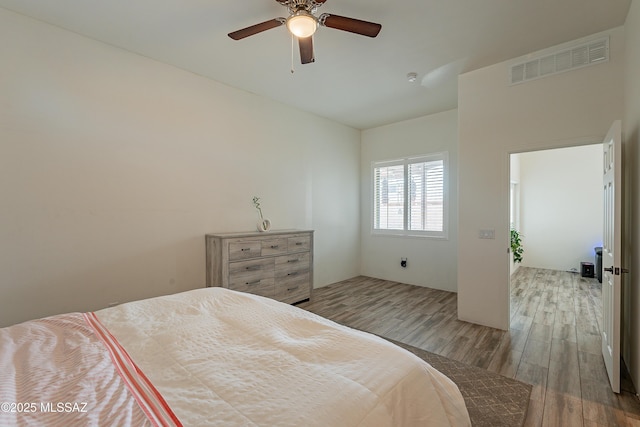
pixel 409 196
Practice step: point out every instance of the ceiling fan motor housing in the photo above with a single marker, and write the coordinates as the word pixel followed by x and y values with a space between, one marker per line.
pixel 298 5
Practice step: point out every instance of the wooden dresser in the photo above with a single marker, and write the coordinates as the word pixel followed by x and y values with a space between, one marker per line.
pixel 274 264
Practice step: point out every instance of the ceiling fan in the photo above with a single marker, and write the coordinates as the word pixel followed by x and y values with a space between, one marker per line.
pixel 302 23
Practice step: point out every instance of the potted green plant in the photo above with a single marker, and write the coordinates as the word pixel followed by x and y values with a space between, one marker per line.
pixel 516 245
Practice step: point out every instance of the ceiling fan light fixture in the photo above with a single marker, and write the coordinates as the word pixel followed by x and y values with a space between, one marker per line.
pixel 302 24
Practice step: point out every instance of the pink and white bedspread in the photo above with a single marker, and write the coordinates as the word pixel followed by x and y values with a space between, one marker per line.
pixel 214 357
pixel 57 371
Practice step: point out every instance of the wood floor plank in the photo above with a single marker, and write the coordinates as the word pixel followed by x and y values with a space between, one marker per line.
pixel 535 413
pixel 564 379
pixel 599 405
pixel 564 352
pixel 505 363
pixel 537 352
pixel 535 375
pixel 541 332
pixel 562 410
pixel 553 342
pixel 565 332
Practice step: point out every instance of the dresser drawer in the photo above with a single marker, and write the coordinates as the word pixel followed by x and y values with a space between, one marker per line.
pixel 293 262
pixel 254 285
pixel 244 250
pixel 293 288
pixel 274 246
pixel 260 266
pixel 299 243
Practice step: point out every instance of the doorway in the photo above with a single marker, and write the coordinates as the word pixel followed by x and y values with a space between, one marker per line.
pixel 556 207
pixel 556 204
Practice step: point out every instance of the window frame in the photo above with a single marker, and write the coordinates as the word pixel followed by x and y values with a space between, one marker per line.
pixel 405 231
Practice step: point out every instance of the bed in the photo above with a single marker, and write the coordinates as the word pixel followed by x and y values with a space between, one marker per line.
pixel 214 357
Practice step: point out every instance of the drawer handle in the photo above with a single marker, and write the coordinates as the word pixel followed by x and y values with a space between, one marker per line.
pixel 295 273
pixel 253 268
pixel 257 282
pixel 293 289
pixel 275 246
pixel 293 260
pixel 245 249
pixel 298 243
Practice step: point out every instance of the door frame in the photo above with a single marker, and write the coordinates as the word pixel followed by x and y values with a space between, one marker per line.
pixel 569 143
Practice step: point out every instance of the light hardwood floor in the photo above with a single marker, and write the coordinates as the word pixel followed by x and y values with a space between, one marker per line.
pixel 553 343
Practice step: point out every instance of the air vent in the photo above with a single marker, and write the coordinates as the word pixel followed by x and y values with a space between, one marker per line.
pixel 578 56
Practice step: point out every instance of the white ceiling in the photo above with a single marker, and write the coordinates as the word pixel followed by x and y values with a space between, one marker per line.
pixel 356 80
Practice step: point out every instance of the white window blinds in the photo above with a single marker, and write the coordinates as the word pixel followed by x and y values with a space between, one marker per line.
pixel 409 196
pixel 389 197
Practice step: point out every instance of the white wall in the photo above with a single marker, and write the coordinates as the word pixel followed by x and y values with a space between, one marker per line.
pixel 431 262
pixel 561 206
pixel 114 166
pixel 496 119
pixel 631 159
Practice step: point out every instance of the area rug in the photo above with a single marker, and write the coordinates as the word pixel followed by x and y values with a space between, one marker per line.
pixel 492 399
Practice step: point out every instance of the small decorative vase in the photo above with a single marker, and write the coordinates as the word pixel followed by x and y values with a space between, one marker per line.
pixel 264 225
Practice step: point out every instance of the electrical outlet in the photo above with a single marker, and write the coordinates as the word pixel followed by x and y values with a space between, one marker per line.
pixel 403 262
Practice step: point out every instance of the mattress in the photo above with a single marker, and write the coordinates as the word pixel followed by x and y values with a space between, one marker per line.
pixel 212 357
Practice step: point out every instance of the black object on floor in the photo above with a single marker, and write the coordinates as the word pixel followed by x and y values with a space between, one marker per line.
pixel 598 250
pixel 586 269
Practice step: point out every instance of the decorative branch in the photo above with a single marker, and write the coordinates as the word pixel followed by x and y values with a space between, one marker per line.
pixel 256 203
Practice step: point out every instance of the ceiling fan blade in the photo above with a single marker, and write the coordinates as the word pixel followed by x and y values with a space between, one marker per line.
pixel 351 25
pixel 255 29
pixel 306 49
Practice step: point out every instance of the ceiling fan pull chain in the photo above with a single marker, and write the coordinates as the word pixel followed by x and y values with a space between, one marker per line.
pixel 292 44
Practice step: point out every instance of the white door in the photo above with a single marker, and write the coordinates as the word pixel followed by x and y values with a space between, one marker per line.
pixel 611 253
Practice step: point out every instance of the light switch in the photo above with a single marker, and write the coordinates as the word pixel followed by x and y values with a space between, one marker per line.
pixel 487 234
